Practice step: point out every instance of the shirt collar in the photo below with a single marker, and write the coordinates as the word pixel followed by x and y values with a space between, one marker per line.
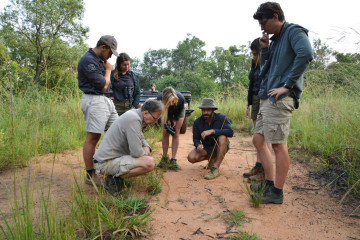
pixel 276 36
pixel 91 51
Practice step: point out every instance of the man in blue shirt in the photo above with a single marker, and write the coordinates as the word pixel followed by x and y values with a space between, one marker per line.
pixel 210 135
pixel 99 111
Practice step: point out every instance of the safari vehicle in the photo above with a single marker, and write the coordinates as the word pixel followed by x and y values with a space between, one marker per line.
pixel 145 95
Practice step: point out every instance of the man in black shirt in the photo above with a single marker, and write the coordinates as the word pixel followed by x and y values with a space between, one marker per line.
pixel 99 111
pixel 210 135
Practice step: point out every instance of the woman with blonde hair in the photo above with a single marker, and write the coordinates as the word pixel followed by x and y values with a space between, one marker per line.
pixel 173 118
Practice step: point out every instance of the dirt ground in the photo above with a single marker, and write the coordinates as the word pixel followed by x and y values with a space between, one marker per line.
pixel 190 207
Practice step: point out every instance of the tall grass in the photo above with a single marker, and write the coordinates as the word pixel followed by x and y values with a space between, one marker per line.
pixel 327 124
pixel 96 215
pixel 37 123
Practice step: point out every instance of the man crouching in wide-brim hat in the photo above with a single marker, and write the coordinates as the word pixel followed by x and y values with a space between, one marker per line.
pixel 210 135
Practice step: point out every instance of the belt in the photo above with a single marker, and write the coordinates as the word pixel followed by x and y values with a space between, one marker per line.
pixel 100 94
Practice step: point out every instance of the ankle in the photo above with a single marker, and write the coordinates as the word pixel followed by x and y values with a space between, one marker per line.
pixel 90 172
pixel 269 183
pixel 276 190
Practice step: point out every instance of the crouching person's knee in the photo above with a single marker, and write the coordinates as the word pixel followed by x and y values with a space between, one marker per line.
pixel 191 157
pixel 150 164
pixel 222 140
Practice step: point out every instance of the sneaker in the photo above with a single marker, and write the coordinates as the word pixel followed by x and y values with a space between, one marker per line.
pixel 173 164
pixel 257 178
pixel 272 197
pixel 113 184
pixel 255 170
pixel 214 173
pixel 258 187
pixel 210 163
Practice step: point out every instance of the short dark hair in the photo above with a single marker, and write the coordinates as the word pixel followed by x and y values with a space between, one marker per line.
pixel 267 10
pixel 100 43
pixel 152 105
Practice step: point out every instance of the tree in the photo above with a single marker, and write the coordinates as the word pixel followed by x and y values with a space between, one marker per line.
pixel 40 33
pixel 229 66
pixel 322 54
pixel 154 66
pixel 188 55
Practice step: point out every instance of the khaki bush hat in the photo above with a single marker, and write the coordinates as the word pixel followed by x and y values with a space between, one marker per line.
pixel 207 103
pixel 111 42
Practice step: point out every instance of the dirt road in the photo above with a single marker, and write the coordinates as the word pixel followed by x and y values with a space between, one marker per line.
pixel 190 207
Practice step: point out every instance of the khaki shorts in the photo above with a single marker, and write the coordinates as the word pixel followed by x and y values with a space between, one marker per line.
pixel 116 167
pixel 99 113
pixel 255 106
pixel 273 120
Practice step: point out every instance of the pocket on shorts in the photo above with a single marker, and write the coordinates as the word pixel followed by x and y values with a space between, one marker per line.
pixel 287 104
pixel 278 132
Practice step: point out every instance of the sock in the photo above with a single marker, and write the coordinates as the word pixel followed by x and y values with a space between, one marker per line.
pixel 89 173
pixel 277 190
pixel 258 165
pixel 269 183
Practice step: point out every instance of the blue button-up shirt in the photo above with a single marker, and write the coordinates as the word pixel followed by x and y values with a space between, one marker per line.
pixel 200 125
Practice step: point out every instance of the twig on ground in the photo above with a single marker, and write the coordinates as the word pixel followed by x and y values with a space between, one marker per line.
pixel 198 231
pixel 293 201
pixel 347 193
pixel 176 221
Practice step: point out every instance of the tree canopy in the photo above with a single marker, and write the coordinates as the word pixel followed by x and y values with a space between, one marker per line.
pixel 41 35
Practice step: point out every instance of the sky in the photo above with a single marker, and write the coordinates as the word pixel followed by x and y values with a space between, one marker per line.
pixel 140 25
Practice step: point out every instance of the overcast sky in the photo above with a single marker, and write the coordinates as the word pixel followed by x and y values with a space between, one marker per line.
pixel 140 25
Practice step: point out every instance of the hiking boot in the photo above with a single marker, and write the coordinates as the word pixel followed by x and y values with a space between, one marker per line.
pixel 257 178
pixel 113 184
pixel 258 187
pixel 214 173
pixel 94 179
pixel 271 197
pixel 255 170
pixel 173 164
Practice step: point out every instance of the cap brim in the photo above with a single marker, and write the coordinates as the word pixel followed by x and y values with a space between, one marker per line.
pixel 115 52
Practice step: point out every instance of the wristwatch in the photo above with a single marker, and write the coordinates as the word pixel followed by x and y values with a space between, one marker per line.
pixel 287 87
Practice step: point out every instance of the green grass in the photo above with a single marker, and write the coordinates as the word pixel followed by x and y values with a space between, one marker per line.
pixel 39 124
pixel 88 215
pixel 244 236
pixel 236 218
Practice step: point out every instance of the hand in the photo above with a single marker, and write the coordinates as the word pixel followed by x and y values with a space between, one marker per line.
pixel 277 92
pixel 107 66
pixel 147 151
pixel 247 112
pixel 207 133
pixel 199 147
pixel 264 40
